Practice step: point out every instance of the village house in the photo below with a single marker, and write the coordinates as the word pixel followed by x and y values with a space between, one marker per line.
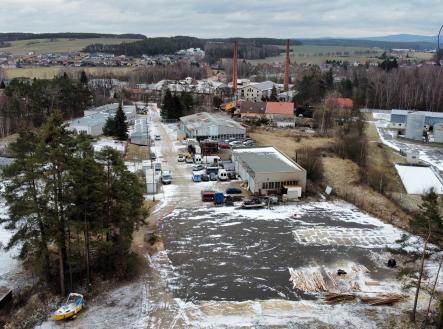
pixel 256 92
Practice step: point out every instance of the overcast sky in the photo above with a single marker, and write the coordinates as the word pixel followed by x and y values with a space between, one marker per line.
pixel 209 18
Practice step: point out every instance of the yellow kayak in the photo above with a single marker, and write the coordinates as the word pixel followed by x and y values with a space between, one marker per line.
pixel 73 305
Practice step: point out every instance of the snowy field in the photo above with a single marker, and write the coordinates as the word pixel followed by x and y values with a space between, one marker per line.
pixel 419 180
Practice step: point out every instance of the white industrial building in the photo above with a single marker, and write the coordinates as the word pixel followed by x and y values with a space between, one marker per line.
pixel 254 92
pixel 415 123
pixel 95 119
pixel 205 125
pixel 267 170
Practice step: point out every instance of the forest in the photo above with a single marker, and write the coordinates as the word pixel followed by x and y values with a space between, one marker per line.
pixel 30 102
pixel 419 88
pixel 72 210
pixel 15 36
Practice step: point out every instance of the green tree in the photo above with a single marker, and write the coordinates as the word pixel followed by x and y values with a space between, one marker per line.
pixel 177 108
pixel 187 101
pixel 273 97
pixel 217 102
pixel 109 128
pixel 121 127
pixel 429 220
pixel 167 107
pixel 2 85
pixel 83 78
pixel 27 202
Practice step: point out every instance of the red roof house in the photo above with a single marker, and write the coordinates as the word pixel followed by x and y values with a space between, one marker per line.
pixel 280 109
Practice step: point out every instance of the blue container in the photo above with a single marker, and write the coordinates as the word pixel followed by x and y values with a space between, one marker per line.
pixel 219 198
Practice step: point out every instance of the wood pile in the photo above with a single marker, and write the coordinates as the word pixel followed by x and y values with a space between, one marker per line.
pixel 360 268
pixel 310 282
pixel 335 298
pixel 383 299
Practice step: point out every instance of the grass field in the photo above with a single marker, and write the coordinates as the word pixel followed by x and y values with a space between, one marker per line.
pixel 52 71
pixel 39 46
pixel 312 54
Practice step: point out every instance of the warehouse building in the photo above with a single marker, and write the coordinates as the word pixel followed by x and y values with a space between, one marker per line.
pixel 414 123
pixel 267 170
pixel 95 119
pixel 205 125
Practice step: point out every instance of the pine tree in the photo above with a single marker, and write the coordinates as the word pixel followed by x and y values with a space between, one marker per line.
pixel 121 127
pixel 429 220
pixel 83 78
pixel 109 128
pixel 273 97
pixel 167 105
pixel 2 85
pixel 177 108
pixel 28 203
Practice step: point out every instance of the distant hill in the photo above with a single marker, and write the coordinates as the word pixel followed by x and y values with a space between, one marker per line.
pixel 17 36
pixel 404 38
pixel 387 42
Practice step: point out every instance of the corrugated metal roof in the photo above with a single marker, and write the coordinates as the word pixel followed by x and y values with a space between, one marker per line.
pixel 265 160
pixel 195 121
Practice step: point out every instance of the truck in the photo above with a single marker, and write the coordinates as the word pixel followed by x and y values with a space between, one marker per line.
pixel 211 159
pixel 219 198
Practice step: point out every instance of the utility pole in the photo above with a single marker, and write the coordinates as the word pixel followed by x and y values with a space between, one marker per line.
pixel 438 47
pixel 235 69
pixel 286 78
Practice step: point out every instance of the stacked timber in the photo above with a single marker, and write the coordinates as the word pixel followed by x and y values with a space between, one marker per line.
pixel 335 298
pixel 383 299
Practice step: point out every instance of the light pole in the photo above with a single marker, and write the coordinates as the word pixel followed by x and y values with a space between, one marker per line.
pixel 438 45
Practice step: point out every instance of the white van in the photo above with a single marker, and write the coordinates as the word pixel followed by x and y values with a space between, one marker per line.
pixel 211 159
pixel 197 159
pixel 222 174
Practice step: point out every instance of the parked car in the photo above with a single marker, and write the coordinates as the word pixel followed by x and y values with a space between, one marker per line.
pixel 189 159
pixel 181 158
pixel 196 177
pixel 248 143
pixel 205 177
pixel 166 177
pixel 222 175
pixel 232 175
pixel 213 176
pixel 233 190
pixel 157 137
pixel 153 156
pixel 223 145
pixel 198 167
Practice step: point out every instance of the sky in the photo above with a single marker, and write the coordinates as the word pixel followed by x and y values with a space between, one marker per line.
pixel 209 18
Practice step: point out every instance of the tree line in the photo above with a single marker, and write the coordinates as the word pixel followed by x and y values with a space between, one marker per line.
pixel 177 105
pixel 30 102
pixel 72 210
pixel 148 46
pixel 384 87
pixel 15 36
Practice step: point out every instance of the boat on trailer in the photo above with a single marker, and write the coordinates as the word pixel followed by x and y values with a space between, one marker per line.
pixel 74 304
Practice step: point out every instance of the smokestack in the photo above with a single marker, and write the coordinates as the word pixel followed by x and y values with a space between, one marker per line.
pixel 286 80
pixel 234 68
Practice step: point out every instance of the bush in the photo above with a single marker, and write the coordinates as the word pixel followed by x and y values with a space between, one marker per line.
pixel 311 159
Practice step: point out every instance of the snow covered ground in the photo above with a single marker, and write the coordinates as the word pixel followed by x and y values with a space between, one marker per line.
pixel 432 155
pixel 106 142
pixel 419 180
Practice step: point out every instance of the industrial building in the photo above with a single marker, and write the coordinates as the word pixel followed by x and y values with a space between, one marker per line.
pixel 414 123
pixel 205 125
pixel 267 170
pixel 95 119
pixel 255 92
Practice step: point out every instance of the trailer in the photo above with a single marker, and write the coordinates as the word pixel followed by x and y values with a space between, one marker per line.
pixel 219 198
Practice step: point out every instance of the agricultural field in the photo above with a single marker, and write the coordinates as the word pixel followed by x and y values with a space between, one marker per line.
pixel 39 46
pixel 312 54
pixel 52 71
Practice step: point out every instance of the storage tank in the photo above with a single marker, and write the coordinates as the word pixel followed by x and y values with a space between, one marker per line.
pixel 438 133
pixel 415 125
